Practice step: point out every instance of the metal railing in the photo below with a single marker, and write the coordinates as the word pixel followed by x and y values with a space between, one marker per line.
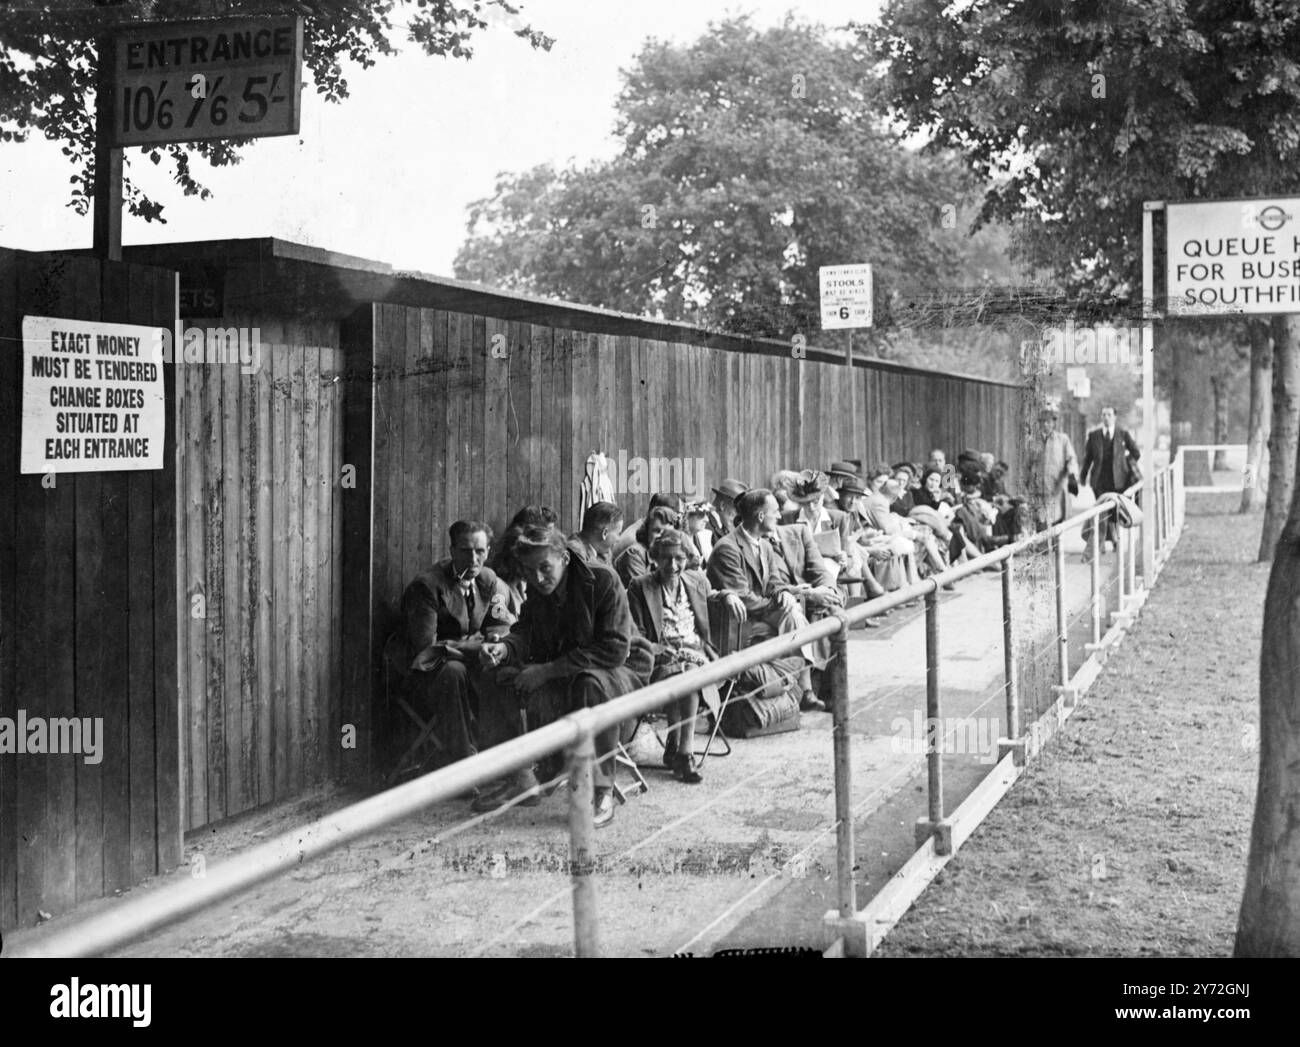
pixel 1210 450
pixel 575 734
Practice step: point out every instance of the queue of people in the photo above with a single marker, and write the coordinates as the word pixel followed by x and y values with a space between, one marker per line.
pixel 505 636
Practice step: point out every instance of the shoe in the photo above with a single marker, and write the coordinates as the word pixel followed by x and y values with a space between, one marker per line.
pixel 810 703
pixel 490 801
pixel 948 587
pixel 603 808
pixel 670 752
pixel 684 770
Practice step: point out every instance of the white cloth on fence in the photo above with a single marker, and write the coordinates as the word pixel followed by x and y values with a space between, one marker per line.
pixel 596 483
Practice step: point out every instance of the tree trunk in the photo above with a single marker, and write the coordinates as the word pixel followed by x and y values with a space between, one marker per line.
pixel 1255 485
pixel 1269 923
pixel 1190 414
pixel 1219 387
pixel 1285 430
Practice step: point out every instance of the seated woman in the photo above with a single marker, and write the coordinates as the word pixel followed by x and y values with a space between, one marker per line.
pixel 670 607
pixel 503 561
pixel 664 499
pixel 703 526
pixel 634 561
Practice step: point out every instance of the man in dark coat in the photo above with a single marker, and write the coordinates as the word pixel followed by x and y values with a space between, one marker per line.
pixel 766 565
pixel 447 611
pixel 1108 453
pixel 575 646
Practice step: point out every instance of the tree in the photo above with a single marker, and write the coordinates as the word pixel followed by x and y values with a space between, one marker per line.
pixel 1255 484
pixel 49 61
pixel 1078 112
pixel 1084 110
pixel 749 158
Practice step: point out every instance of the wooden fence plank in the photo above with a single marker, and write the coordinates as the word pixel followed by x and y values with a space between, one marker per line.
pixel 309 738
pixel 297 698
pixel 280 592
pixel 10 385
pixel 232 605
pixel 495 509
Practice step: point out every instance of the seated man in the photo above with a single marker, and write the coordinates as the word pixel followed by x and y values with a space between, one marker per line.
pixel 575 646
pixel 446 612
pixel 671 608
pixel 601 524
pixel 755 562
pixel 724 503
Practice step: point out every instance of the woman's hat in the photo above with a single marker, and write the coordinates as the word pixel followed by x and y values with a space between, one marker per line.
pixel 808 485
pixel 842 469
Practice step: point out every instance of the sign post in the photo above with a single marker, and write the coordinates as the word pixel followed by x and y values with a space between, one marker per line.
pixel 166 82
pixel 846 304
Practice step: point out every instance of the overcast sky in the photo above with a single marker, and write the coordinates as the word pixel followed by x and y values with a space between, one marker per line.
pixel 388 174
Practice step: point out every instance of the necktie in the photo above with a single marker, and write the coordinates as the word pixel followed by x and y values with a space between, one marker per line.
pixel 469 602
pixel 1107 435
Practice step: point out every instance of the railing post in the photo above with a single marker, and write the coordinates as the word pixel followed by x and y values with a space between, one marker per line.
pixel 1062 629
pixel 844 851
pixel 934 826
pixel 1121 544
pixel 582 846
pixel 1095 570
pixel 1132 560
pixel 1012 742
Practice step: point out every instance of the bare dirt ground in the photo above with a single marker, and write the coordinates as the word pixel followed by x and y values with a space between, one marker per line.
pixel 1128 837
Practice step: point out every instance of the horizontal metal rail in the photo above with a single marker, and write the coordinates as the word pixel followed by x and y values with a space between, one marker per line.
pixel 157 908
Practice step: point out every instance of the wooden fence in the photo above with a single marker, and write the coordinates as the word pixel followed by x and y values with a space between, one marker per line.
pixel 87 622
pixel 259 481
pixel 310 502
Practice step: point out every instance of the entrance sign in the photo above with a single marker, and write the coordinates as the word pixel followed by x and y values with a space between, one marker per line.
pixel 845 296
pixel 1233 257
pixel 92 397
pixel 226 78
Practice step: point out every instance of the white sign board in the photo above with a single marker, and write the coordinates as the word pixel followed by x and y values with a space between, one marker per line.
pixel 1074 376
pixel 92 396
pixel 1233 257
pixel 846 296
pixel 1083 388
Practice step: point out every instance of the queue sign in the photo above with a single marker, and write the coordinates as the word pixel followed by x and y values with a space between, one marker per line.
pixel 224 78
pixel 1233 257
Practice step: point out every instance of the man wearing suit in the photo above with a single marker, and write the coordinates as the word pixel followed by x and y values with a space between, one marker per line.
pixel 765 565
pixel 575 646
pixel 446 612
pixel 1108 451
pixel 670 606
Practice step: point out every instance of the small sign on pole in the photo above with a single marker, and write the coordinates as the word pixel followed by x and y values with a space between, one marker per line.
pixel 845 296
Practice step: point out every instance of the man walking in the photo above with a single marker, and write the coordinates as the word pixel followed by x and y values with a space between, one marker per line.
pixel 1107 466
pixel 1054 471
